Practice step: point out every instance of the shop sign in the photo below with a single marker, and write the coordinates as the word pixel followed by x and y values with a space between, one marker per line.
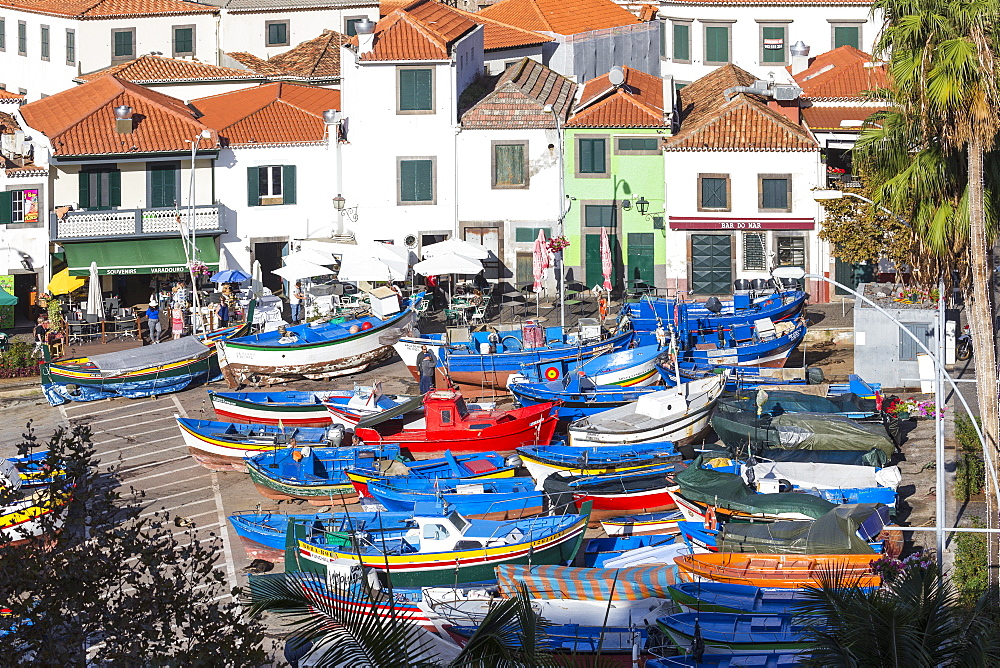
pixel 748 224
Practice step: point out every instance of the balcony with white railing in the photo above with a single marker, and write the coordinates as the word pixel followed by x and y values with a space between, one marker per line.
pixel 132 223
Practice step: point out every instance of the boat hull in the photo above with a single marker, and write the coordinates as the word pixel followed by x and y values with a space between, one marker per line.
pixel 247 363
pixel 646 315
pixel 642 525
pixel 775 570
pixel 771 354
pixel 231 409
pixel 218 455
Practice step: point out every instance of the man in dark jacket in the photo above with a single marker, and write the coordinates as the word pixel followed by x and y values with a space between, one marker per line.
pixel 425 365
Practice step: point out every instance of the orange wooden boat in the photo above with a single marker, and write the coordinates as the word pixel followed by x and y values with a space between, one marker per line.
pixel 791 571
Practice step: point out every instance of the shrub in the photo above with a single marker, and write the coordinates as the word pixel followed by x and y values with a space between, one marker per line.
pixel 970 476
pixel 18 361
pixel 971 572
pixel 965 434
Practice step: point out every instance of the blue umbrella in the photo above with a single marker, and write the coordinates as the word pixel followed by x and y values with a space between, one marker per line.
pixel 230 276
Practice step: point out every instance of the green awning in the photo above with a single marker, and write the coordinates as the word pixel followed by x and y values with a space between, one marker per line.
pixel 137 256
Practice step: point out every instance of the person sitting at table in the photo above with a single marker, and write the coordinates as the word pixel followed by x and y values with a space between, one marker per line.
pixel 477 297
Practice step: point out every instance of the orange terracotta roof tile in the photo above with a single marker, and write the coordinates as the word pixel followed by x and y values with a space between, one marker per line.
pixel 563 17
pixel 386 7
pixel 498 35
pixel 648 12
pixel 423 30
pixel 275 113
pixel 317 58
pixel 709 123
pixel 258 65
pixel 638 102
pixel 105 9
pixel 80 121
pixel 8 124
pixel 7 96
pixel 776 3
pixel 518 100
pixel 831 118
pixel 153 69
pixel 845 72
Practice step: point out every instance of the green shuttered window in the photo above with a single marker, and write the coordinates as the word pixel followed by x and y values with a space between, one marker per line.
pixel 774 193
pixel 416 180
pixel 713 193
pixel 529 234
pixel 773 46
pixel 123 44
pixel 162 184
pixel 100 189
pixel 716 44
pixel 682 41
pixel 599 215
pixel 509 166
pixel 271 185
pixel 639 144
pixel 45 42
pixel 847 36
pixel 183 41
pixel 416 89
pixel 592 155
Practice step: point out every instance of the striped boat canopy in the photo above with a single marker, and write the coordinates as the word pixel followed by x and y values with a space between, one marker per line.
pixel 587 584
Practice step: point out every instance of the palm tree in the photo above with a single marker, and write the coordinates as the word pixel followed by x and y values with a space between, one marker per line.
pixel 914 620
pixel 943 64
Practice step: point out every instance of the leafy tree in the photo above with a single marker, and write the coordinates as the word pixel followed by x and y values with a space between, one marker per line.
pixel 112 587
pixel 932 159
pixel 914 620
pixel 861 232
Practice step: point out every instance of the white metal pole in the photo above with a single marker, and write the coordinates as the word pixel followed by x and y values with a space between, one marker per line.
pixel 560 265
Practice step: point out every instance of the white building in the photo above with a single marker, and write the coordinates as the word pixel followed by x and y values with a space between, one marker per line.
pixel 739 176
pixel 701 35
pixel 275 172
pixel 509 148
pixel 401 88
pixel 43 48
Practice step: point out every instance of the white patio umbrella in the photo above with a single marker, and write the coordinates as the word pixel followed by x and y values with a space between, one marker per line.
pixel 257 279
pixel 368 268
pixel 299 270
pixel 95 300
pixel 456 247
pixel 449 263
pixel 309 255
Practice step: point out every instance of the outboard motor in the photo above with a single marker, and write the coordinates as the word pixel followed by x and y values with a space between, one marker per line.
pixel 741 285
pixel 335 435
pixel 760 286
pixel 814 375
pixel 713 305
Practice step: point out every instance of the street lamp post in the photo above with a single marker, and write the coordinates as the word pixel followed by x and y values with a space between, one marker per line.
pixel 940 372
pixel 190 239
pixel 563 210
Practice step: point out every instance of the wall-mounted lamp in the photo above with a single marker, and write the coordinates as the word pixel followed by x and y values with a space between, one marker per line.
pixel 626 205
pixel 642 206
pixel 339 203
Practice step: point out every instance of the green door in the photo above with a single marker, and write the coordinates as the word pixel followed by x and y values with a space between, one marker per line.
pixel 711 264
pixel 592 260
pixel 640 259
pixel 853 275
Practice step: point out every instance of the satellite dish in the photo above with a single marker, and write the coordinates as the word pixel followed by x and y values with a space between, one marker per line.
pixel 616 76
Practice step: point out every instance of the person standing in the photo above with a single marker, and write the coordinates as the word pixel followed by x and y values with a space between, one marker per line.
pixel 426 363
pixel 177 322
pixel 153 320
pixel 295 300
pixel 40 332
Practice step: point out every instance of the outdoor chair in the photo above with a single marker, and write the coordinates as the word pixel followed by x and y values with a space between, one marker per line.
pixel 454 316
pixel 478 315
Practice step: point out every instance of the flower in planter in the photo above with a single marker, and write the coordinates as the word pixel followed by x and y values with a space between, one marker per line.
pixel 557 244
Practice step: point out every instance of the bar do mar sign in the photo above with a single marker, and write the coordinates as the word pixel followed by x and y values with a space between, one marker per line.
pixel 748 224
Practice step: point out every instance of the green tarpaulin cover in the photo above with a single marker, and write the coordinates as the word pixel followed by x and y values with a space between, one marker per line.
pixel 727 490
pixel 836 532
pixel 784 401
pixel 799 431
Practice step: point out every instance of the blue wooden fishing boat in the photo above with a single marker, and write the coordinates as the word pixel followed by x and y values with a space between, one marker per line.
pixel 599 550
pixel 574 638
pixel 32 471
pixel 646 523
pixel 488 359
pixel 740 377
pixel 498 499
pixel 544 460
pixel 734 598
pixel 304 409
pixel 774 660
pixel 263 532
pixel 632 367
pixel 725 347
pixel 315 474
pixel 577 399
pixel 727 633
pixel 478 466
pixel 743 309
pixel 223 445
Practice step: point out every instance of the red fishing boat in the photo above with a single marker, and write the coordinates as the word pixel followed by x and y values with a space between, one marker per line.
pixel 449 424
pixel 642 490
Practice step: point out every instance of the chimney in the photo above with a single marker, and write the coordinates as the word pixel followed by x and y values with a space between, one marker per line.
pixel 800 57
pixel 366 36
pixel 668 96
pixel 123 120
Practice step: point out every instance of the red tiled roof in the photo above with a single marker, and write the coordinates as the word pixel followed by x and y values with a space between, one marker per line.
pixel 519 99
pixel 638 102
pixel 149 69
pixel 80 121
pixel 774 3
pixel 275 113
pixel 563 17
pixel 498 35
pixel 254 63
pixel 318 57
pixel 106 9
pixel 8 124
pixel 830 118
pixel 423 30
pixel 710 123
pixel 7 95
pixel 845 72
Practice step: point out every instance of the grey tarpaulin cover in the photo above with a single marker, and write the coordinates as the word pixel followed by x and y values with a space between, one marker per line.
pixel 785 401
pixel 134 359
pixel 800 431
pixel 727 490
pixel 834 533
